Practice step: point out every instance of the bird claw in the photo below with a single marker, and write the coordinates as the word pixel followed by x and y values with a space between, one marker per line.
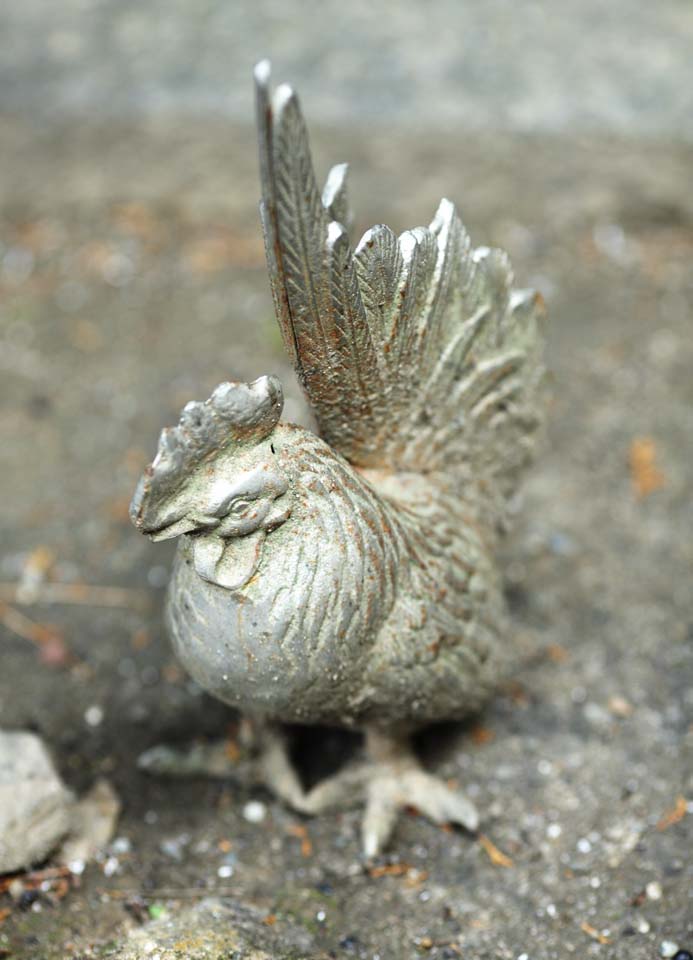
pixel 386 789
pixel 393 790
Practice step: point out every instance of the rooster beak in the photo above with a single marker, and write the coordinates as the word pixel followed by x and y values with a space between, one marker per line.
pixel 175 529
pixel 176 526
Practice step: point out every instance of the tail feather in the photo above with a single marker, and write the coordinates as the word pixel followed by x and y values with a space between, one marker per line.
pixel 415 351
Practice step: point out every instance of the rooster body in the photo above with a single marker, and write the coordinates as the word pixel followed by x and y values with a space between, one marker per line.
pixel 349 578
pixel 377 603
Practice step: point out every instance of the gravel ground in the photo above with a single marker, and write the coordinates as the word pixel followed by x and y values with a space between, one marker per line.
pixel 622 67
pixel 132 281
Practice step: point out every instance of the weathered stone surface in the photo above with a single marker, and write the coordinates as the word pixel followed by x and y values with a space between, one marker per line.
pixel 35 805
pixel 217 930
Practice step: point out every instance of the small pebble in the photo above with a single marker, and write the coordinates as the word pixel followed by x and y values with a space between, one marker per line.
pixel 583 845
pixel 254 811
pixel 320 916
pixel 15 889
pixel 173 847
pixel 225 871
pixel 110 866
pixel 668 948
pixel 619 706
pixel 643 925
pixel 121 845
pixel 93 715
pixel 553 832
pixel 654 890
pixel 596 714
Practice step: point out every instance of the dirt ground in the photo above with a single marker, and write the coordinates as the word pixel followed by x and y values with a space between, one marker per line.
pixel 132 281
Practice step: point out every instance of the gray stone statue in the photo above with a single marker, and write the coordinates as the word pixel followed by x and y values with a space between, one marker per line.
pixel 347 577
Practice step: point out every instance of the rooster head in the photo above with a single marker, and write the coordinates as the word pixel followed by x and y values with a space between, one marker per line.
pixel 216 477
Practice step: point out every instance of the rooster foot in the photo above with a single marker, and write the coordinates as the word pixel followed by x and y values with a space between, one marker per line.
pixel 398 781
pixel 390 780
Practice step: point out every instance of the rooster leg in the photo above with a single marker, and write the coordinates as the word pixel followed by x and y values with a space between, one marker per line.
pixel 208 759
pixel 275 767
pixel 265 759
pixel 397 781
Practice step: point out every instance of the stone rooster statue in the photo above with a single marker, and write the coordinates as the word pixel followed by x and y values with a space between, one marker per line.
pixel 347 578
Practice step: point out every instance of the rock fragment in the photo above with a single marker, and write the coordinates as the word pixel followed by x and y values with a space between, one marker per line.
pixel 92 824
pixel 35 805
pixel 214 928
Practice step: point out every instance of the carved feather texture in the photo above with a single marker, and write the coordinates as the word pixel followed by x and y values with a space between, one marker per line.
pixel 414 352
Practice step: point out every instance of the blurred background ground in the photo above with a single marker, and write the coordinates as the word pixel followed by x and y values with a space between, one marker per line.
pixel 133 280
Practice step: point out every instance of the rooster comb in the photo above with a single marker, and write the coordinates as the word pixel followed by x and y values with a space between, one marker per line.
pixel 236 413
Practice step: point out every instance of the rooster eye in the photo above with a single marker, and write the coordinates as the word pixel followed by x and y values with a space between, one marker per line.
pixel 237 507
